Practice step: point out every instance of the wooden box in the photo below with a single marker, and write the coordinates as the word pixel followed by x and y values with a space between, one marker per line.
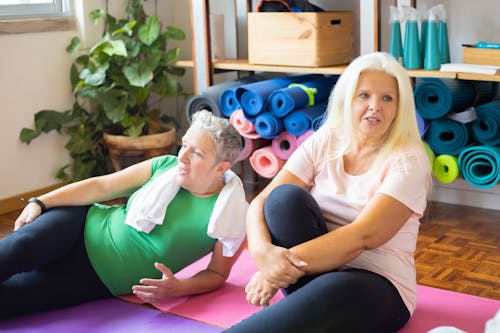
pixel 481 56
pixel 300 39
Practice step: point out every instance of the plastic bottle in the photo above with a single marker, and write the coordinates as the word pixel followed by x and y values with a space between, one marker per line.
pixel 432 59
pixel 395 43
pixel 412 56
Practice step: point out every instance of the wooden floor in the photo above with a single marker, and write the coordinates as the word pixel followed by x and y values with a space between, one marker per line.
pixel 458 249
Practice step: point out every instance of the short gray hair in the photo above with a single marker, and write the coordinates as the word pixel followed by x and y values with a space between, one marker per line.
pixel 228 141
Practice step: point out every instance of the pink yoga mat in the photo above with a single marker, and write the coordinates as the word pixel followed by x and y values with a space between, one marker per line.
pixel 227 305
pixel 223 307
pixel 265 162
pixel 248 148
pixel 245 127
pixel 284 145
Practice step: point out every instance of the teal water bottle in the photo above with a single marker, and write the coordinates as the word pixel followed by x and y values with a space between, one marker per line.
pixel 444 47
pixel 411 48
pixel 395 45
pixel 423 36
pixel 432 59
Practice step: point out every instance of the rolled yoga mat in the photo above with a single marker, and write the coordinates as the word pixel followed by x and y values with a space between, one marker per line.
pixel 445 168
pixel 447 137
pixel 486 128
pixel 284 145
pixel 268 126
pixel 422 125
pixel 430 154
pixel 253 96
pixel 283 101
pixel 299 121
pixel 265 162
pixel 242 125
pixel 209 99
pixel 480 166
pixel 434 97
pixel 248 148
pixel 317 122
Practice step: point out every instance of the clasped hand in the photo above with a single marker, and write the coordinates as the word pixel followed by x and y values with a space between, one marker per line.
pixel 154 290
pixel 278 268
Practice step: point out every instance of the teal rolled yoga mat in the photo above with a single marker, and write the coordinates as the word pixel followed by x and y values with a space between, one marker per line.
pixel 447 137
pixel 445 168
pixel 480 166
pixel 486 128
pixel 434 97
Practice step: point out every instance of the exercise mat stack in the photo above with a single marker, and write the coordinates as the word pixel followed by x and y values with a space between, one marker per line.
pixel 462 129
pixel 278 115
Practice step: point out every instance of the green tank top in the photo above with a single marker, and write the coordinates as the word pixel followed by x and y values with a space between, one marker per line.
pixel 122 256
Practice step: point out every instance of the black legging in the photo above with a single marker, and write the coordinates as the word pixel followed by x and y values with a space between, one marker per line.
pixel 348 301
pixel 44 265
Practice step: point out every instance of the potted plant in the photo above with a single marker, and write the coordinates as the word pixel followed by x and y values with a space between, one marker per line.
pixel 113 84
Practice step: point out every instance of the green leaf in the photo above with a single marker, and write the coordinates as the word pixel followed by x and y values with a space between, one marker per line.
pixel 114 104
pixel 74 45
pixel 175 33
pixel 150 30
pixel 96 15
pixel 177 71
pixel 62 174
pixel 94 77
pixel 49 120
pixel 166 87
pixel 115 47
pixel 172 55
pixel 125 29
pixel 28 134
pixel 138 74
pixel 74 76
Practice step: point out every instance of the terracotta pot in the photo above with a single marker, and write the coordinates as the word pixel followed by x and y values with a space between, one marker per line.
pixel 125 151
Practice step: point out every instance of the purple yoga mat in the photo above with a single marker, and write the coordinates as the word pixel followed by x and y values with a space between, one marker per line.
pixel 110 315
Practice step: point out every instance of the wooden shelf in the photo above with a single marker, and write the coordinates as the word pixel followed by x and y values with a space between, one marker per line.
pixel 243 65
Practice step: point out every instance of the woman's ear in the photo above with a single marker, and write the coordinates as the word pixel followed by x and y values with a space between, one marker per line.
pixel 223 167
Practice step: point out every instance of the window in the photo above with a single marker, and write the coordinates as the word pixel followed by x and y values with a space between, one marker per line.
pixel 15 9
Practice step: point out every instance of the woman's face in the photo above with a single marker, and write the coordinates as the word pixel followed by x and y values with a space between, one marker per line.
pixel 197 170
pixel 374 105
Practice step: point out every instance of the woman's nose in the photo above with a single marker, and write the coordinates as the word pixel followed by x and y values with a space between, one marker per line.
pixel 374 104
pixel 183 155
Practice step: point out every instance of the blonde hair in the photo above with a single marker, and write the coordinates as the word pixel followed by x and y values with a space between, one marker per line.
pixel 402 133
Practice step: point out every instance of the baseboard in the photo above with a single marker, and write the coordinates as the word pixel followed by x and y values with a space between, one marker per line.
pixel 462 193
pixel 15 202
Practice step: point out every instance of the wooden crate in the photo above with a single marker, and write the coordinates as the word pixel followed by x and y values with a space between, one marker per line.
pixel 300 39
pixel 480 56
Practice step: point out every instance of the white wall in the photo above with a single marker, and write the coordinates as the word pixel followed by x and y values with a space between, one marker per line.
pixel 34 75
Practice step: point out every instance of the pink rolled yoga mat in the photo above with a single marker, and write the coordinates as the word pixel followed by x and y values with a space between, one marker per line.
pixel 248 148
pixel 245 127
pixel 303 137
pixel 265 162
pixel 284 145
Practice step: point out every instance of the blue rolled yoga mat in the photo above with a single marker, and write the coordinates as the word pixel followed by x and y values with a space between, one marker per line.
pixel 480 166
pixel 282 101
pixel 253 96
pixel 301 120
pixel 486 128
pixel 434 98
pixel 422 125
pixel 268 126
pixel 447 137
pixel 223 93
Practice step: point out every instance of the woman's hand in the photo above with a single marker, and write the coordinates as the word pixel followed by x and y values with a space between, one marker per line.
pixel 154 290
pixel 279 265
pixel 260 291
pixel 28 215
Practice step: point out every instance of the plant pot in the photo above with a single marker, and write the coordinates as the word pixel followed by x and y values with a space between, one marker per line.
pixel 126 151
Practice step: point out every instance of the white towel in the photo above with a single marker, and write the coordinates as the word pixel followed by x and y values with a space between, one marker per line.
pixel 227 222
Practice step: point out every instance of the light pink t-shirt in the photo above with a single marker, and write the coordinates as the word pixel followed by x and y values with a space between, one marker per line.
pixel 342 196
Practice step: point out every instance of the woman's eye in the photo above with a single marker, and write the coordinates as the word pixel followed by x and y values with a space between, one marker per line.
pixel 387 98
pixel 363 95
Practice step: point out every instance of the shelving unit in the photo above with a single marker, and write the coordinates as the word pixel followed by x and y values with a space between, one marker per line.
pixel 204 68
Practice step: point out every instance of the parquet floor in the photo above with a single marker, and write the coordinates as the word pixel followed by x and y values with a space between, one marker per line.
pixel 458 249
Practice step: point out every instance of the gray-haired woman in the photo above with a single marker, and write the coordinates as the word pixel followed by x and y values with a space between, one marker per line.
pixel 68 249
